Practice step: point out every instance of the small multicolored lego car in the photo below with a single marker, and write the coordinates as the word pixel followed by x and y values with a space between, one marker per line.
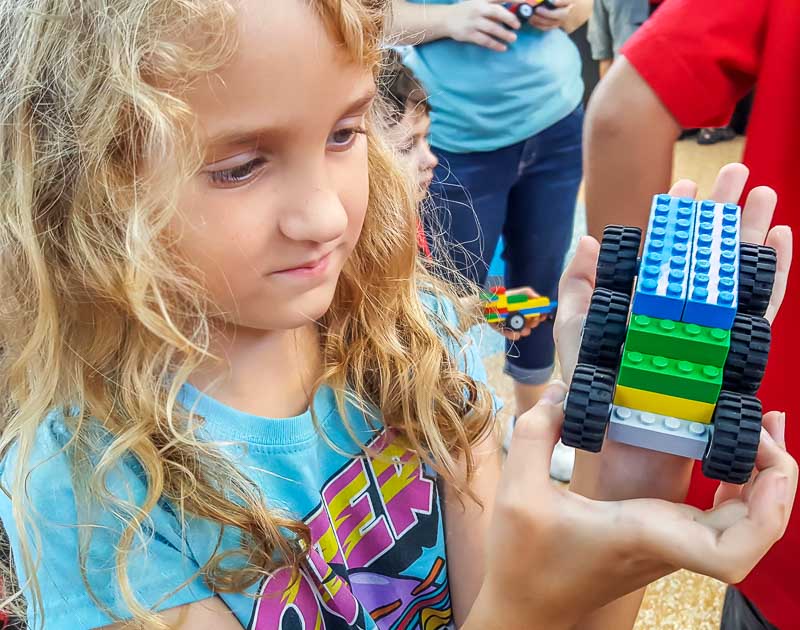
pixel 675 343
pixel 512 311
pixel 525 10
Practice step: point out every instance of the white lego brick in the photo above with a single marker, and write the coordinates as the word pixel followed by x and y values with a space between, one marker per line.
pixel 659 433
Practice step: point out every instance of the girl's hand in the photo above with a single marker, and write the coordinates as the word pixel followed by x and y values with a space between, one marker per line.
pixel 621 471
pixel 483 22
pixel 548 19
pixel 530 322
pixel 554 556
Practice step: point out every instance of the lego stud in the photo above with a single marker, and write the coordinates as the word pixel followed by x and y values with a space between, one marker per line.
pixel 725 297
pixel 698 428
pixel 635 357
pixel 660 363
pixel 667 325
pixel 727 270
pixel 683 224
pixel 663 198
pixel 662 209
pixel 676 275
pixel 685 367
pixel 660 221
pixel 673 424
pixel 703 253
pixel 700 294
pixel 726 284
pixel 707 205
pixel 728 245
pixel 702 266
pixel 653 258
pixel 648 285
pixel 729 232
pixel 647 418
pixel 727 257
pixel 680 248
pixel 656 244
pixel 707 215
pixel 685 212
pixel 651 271
pixel 677 262
pixel 674 289
pixel 706 228
pixel 710 371
pixel 685 201
pixel 719 334
pixel 623 413
pixel 704 240
pixel 693 330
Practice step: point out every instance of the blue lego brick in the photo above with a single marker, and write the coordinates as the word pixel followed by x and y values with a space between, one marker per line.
pixel 659 433
pixel 538 310
pixel 661 289
pixel 714 276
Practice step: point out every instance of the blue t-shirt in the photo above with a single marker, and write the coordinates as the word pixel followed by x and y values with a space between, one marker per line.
pixel 482 100
pixel 378 556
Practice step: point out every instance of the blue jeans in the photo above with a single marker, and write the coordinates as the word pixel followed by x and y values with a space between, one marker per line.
pixel 526 192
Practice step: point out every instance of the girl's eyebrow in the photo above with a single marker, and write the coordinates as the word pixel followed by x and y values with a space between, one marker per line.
pixel 232 137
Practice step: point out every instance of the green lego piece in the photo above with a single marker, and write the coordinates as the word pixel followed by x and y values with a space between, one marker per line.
pixel 678 340
pixel 683 379
pixel 517 299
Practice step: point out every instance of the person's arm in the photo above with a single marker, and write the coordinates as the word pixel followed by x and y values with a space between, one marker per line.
pixel 568 15
pixel 209 614
pixel 581 10
pixel 628 147
pixel 483 22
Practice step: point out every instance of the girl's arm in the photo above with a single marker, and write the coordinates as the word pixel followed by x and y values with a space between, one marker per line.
pixel 208 614
pixel 466 527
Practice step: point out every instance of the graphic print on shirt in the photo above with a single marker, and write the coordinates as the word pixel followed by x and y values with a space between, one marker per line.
pixel 376 554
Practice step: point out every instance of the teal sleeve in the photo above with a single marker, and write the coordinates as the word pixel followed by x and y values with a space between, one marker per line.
pixel 161 569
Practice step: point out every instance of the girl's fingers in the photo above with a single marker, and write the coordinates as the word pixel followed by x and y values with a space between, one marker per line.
pixel 730 183
pixel 757 214
pixel 574 294
pixel 535 435
pixel 727 492
pixel 774 423
pixel 779 238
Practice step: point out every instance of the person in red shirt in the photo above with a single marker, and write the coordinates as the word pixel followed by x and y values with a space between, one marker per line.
pixel 687 67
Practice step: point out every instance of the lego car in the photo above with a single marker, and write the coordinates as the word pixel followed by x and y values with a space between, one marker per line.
pixel 512 311
pixel 675 343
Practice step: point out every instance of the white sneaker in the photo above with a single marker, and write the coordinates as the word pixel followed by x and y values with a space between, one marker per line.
pixel 562 463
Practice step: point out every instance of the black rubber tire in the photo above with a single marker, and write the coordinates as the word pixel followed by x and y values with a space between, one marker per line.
pixel 604 329
pixel 756 276
pixel 588 408
pixel 513 322
pixel 748 354
pixel 731 452
pixel 617 264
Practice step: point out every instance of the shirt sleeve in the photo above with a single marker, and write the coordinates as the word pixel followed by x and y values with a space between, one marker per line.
pixel 161 572
pixel 700 57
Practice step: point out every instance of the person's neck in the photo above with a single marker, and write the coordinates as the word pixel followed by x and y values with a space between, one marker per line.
pixel 265 373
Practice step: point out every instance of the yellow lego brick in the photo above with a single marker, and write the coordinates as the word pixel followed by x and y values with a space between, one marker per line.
pixel 663 404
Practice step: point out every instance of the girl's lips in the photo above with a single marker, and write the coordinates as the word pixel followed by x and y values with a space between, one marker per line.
pixel 312 269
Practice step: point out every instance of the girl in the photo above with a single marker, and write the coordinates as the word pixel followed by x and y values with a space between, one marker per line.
pixel 232 394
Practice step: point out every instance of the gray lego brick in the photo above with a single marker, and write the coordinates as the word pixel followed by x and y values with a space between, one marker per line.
pixel 659 433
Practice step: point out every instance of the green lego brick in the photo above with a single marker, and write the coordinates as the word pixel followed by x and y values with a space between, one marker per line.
pixel 517 299
pixel 678 340
pixel 683 379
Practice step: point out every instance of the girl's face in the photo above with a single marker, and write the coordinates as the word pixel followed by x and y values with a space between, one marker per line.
pixel 416 124
pixel 280 201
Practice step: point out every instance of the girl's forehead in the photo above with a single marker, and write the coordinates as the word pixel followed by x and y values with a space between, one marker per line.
pixel 287 69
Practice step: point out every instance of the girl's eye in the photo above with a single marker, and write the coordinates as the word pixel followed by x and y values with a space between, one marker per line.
pixel 238 174
pixel 343 139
